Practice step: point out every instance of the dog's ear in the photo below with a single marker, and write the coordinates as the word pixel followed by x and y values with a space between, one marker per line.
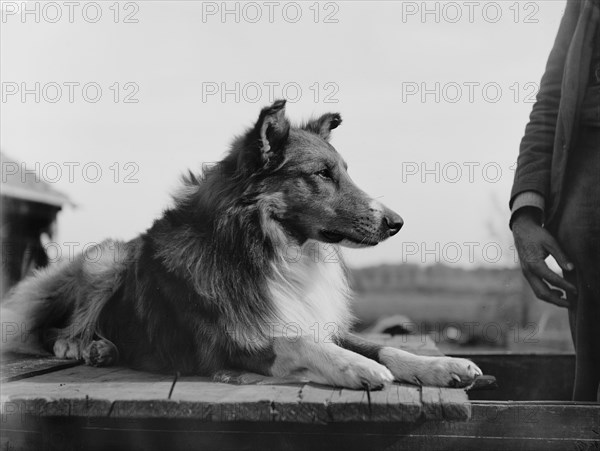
pixel 262 145
pixel 272 130
pixel 323 125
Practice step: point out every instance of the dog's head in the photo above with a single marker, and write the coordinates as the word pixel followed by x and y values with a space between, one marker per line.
pixel 305 182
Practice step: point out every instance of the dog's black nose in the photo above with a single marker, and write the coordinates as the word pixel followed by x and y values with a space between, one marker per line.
pixel 394 223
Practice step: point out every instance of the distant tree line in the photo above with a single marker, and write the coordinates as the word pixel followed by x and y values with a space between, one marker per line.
pixel 435 278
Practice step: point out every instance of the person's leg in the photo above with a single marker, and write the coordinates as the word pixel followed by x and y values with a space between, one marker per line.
pixel 579 235
pixel 586 333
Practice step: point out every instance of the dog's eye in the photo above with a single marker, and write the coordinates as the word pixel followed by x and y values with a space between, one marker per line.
pixel 325 173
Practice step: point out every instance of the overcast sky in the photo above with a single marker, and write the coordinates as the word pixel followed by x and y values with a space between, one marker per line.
pixel 370 61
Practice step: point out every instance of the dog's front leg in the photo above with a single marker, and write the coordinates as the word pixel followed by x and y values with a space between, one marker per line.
pixel 416 369
pixel 326 363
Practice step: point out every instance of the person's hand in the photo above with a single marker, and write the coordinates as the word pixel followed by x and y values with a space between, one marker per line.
pixel 534 243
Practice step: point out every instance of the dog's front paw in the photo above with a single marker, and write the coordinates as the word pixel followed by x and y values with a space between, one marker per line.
pixel 448 372
pixel 430 371
pixel 361 372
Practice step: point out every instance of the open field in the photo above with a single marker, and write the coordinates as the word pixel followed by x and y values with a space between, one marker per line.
pixel 462 321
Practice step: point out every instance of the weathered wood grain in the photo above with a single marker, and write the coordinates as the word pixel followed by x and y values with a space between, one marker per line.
pixel 410 399
pixel 345 404
pixel 286 404
pixel 23 367
pixel 398 403
pixel 549 419
pixel 314 404
pixel 432 403
pixel 493 426
pixel 455 404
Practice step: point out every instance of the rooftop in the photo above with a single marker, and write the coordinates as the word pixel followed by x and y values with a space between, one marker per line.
pixel 20 182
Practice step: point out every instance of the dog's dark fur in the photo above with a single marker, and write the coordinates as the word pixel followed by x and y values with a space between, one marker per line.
pixel 211 285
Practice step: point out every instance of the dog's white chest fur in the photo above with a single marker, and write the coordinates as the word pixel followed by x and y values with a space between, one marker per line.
pixel 310 293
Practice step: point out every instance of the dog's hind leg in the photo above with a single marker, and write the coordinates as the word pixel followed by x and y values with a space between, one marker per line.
pixel 65 348
pixel 100 352
pixel 60 343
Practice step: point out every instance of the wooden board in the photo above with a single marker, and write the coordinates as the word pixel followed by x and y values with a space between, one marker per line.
pixel 17 367
pixel 122 393
pixel 525 377
pixel 493 426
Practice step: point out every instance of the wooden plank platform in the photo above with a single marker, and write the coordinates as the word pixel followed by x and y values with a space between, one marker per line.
pixel 82 391
pixel 45 405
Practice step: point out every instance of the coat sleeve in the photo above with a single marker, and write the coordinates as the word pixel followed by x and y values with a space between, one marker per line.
pixel 535 153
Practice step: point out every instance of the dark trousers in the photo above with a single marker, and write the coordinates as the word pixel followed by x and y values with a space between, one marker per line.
pixel 579 235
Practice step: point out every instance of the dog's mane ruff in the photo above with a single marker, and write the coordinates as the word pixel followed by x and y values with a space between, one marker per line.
pixel 309 289
pixel 189 183
pixel 220 238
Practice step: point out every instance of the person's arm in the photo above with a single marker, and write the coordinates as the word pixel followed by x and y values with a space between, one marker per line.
pixel 531 187
pixel 534 243
pixel 535 153
pixel 528 199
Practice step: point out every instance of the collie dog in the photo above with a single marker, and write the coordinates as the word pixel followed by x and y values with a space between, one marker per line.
pixel 242 275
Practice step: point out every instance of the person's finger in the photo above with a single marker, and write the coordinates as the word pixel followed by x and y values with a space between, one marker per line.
pixel 543 292
pixel 541 270
pixel 558 254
